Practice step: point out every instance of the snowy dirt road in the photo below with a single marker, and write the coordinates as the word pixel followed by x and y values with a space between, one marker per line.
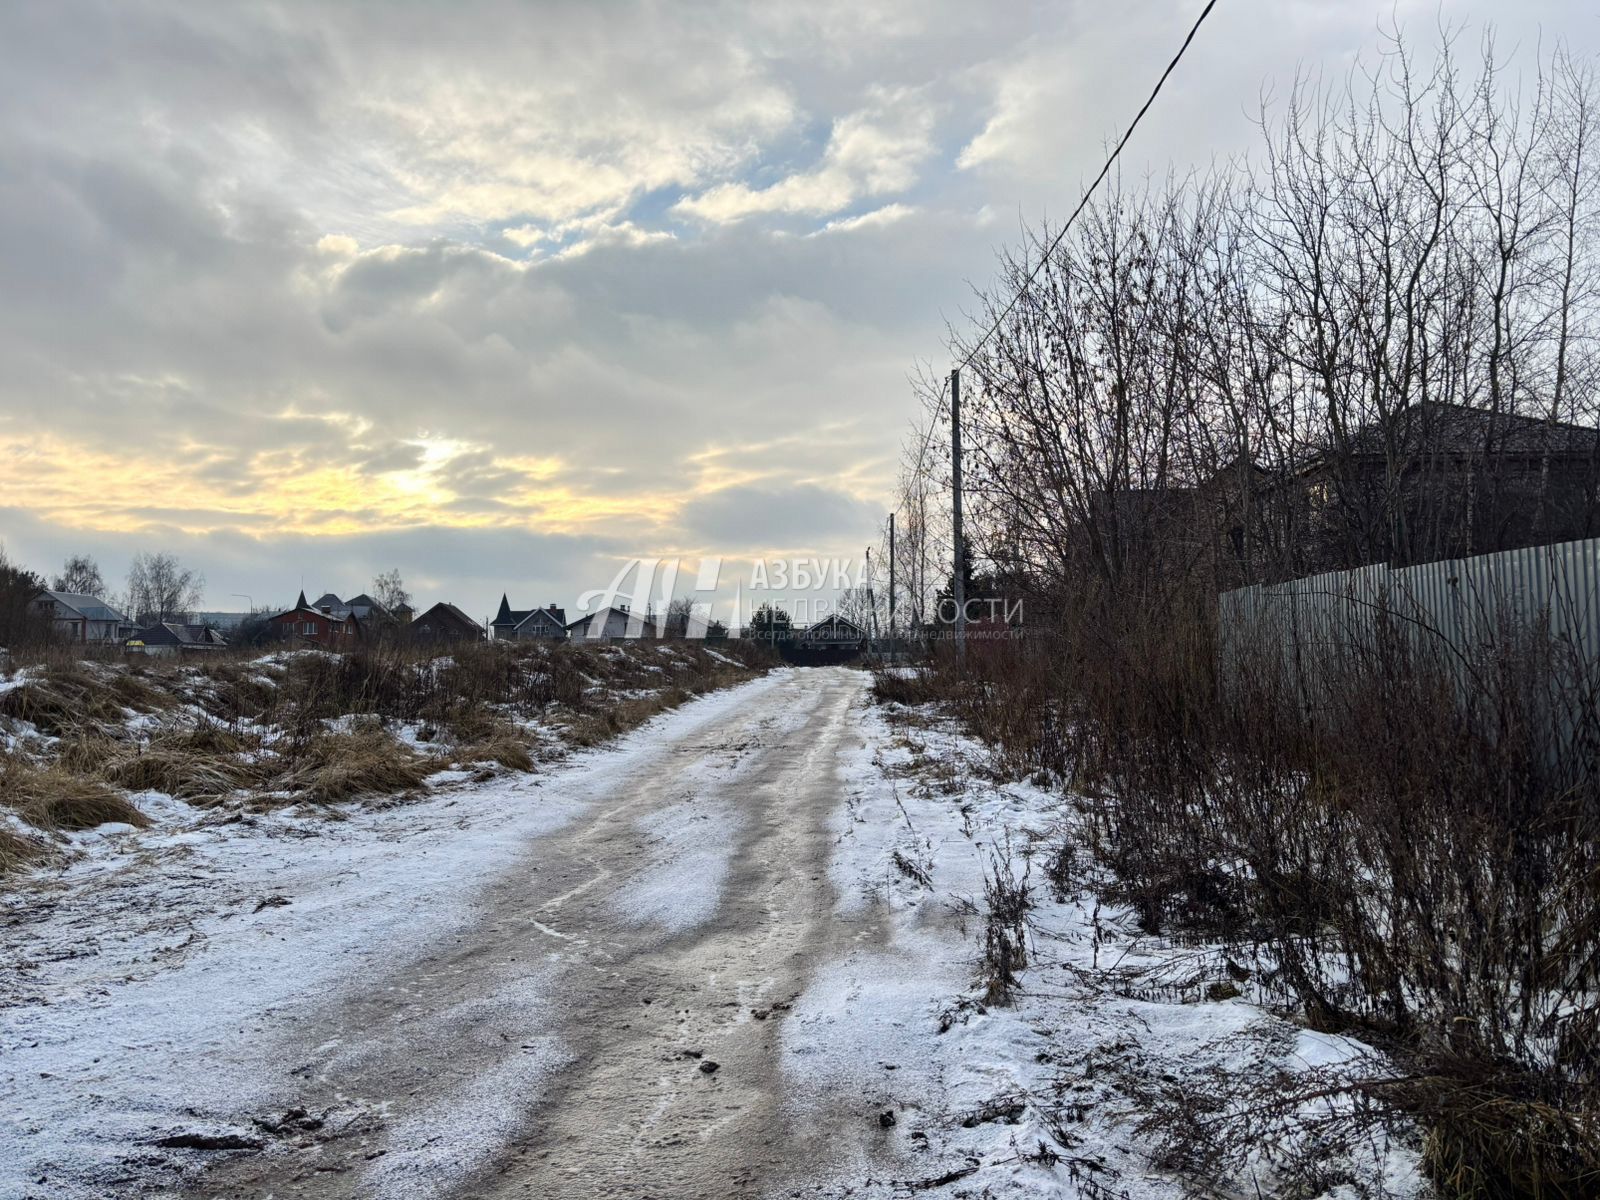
pixel 733 955
pixel 609 1024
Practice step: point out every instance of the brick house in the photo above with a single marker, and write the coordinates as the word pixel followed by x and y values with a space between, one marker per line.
pixel 310 625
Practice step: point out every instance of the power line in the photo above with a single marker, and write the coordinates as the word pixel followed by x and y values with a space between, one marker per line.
pixel 933 424
pixel 1033 274
pixel 1084 202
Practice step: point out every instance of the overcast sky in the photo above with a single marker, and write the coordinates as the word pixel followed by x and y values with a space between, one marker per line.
pixel 503 294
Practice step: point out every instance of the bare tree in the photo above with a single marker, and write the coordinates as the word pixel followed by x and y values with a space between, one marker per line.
pixel 80 574
pixel 160 588
pixel 389 590
pixel 685 618
pixel 1328 358
pixel 865 607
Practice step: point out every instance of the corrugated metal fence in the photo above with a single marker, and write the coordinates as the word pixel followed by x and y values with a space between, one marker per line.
pixel 1453 611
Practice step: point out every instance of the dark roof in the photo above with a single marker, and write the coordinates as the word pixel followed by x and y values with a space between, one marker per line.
pixel 169 633
pixel 328 599
pixel 1455 429
pixel 302 606
pixel 1236 471
pixel 510 618
pixel 835 624
pixel 450 610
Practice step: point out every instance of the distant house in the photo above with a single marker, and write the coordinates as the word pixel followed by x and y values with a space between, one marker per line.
pixel 444 623
pixel 373 621
pixel 222 620
pixel 511 624
pixel 317 626
pixel 612 625
pixel 87 620
pixel 166 638
pixel 1433 481
pixel 834 631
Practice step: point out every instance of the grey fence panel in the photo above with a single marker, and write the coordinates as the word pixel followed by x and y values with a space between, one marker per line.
pixel 1453 609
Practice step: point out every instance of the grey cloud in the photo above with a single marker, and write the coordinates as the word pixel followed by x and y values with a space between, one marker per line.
pixel 469 567
pixel 167 171
pixel 802 515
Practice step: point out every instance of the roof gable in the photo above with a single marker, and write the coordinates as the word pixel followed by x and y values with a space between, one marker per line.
pixel 89 607
pixel 835 626
pixel 451 614
pixel 553 617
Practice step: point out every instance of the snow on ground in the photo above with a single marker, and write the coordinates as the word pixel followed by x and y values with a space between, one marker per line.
pixel 141 985
pixel 1110 1031
pixel 137 984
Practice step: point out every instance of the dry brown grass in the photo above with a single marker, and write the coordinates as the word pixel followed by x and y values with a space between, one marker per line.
pixel 617 717
pixel 18 851
pixel 56 800
pixel 361 762
pixel 70 701
pixel 182 773
pixel 473 699
pixel 504 743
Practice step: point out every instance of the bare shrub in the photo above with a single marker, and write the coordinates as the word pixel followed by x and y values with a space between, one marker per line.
pixel 1007 902
pixel 1321 358
pixel 897 686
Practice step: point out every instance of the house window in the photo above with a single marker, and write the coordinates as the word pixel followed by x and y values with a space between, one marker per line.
pixel 311 628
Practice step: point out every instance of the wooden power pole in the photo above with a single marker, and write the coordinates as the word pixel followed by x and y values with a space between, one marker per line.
pixel 959 587
pixel 891 583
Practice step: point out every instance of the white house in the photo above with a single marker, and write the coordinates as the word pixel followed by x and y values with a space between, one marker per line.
pixel 611 625
pixel 87 620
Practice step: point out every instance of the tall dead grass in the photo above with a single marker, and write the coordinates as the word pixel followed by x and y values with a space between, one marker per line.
pixel 57 801
pixel 1409 847
pixel 364 761
pixel 313 727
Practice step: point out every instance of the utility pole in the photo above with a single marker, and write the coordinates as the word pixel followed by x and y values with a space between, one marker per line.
pixel 872 607
pixel 891 583
pixel 959 588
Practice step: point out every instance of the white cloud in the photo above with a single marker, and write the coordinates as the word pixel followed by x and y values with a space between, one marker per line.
pixel 889 214
pixel 872 152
